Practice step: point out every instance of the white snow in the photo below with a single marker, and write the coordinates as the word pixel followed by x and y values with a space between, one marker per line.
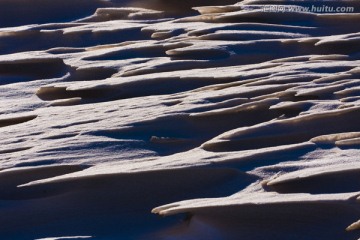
pixel 232 121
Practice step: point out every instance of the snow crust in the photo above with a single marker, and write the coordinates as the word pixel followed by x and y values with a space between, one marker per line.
pixel 231 121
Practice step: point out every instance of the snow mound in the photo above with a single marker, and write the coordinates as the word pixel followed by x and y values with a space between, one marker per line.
pixel 232 119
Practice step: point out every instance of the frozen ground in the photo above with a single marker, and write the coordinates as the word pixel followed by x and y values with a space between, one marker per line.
pixel 230 122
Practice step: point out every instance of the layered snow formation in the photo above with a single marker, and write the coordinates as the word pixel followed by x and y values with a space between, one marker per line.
pixel 232 121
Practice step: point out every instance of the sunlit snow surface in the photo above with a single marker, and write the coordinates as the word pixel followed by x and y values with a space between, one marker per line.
pixel 231 121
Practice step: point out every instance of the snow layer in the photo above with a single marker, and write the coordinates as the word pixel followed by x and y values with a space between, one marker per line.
pixel 231 121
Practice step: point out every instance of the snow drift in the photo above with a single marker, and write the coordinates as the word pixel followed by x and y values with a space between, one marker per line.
pixel 231 120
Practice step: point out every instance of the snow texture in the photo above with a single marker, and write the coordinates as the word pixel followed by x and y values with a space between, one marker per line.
pixel 232 121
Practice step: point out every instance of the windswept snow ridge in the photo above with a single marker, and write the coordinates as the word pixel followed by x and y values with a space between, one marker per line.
pixel 235 121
